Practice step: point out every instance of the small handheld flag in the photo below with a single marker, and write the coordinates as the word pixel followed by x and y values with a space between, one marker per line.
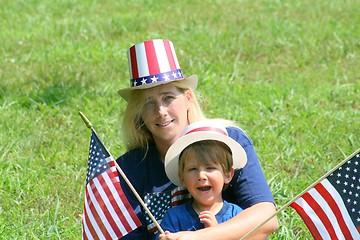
pixel 329 206
pixel 107 212
pixel 331 209
pixel 99 151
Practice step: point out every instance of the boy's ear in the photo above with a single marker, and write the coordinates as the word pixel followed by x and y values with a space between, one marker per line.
pixel 228 176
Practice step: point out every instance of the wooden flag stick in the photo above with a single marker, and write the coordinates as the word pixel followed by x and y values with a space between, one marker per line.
pixel 302 193
pixel 89 125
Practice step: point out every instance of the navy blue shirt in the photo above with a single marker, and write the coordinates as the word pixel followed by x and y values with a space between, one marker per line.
pixel 146 172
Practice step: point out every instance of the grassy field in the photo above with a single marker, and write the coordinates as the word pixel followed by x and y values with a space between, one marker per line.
pixel 287 71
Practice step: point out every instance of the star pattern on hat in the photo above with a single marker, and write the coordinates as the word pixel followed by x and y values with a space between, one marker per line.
pixel 154 79
pixel 163 77
pixel 134 83
pixel 166 77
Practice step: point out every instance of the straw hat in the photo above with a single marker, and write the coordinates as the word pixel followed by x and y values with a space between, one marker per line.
pixel 198 131
pixel 152 63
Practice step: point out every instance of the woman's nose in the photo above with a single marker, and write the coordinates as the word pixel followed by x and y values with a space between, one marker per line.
pixel 161 110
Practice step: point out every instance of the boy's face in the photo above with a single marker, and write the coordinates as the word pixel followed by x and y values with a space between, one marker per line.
pixel 204 182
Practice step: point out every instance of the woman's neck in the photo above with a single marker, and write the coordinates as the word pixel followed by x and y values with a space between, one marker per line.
pixel 162 149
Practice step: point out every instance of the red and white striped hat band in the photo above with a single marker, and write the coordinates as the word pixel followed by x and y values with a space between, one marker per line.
pixel 152 63
pixel 199 131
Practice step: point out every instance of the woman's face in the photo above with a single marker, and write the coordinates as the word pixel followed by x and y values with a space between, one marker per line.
pixel 165 112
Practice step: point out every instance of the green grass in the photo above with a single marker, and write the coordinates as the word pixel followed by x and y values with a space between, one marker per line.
pixel 287 71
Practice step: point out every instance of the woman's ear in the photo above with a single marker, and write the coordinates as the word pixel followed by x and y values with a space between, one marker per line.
pixel 189 97
pixel 228 176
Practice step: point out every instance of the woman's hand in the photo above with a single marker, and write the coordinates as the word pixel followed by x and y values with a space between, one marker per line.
pixel 208 219
pixel 184 235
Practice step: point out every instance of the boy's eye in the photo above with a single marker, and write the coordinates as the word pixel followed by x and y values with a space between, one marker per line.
pixel 211 167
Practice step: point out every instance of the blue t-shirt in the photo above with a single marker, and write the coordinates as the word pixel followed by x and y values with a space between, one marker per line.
pixel 146 172
pixel 184 217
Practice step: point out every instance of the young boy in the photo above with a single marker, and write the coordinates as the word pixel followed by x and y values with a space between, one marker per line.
pixel 202 160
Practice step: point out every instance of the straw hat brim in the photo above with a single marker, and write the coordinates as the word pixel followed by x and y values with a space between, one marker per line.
pixel 191 81
pixel 172 155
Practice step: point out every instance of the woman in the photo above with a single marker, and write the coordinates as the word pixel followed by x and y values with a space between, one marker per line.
pixel 160 104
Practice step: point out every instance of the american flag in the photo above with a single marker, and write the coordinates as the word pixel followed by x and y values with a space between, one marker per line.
pixel 331 209
pixel 107 212
pixel 158 203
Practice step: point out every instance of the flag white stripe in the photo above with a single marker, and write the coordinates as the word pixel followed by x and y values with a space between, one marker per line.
pixel 121 204
pixel 314 218
pixel 174 55
pixel 161 55
pixel 335 194
pixel 99 210
pixel 328 211
pixel 143 67
pixel 91 217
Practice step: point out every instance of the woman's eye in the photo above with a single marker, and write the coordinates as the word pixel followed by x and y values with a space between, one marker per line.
pixel 168 97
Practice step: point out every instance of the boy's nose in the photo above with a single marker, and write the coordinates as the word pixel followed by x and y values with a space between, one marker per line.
pixel 202 175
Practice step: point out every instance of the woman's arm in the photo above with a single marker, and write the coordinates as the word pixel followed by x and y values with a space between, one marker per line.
pixel 236 227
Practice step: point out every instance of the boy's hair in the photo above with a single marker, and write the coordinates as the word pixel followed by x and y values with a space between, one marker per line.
pixel 208 152
pixel 135 133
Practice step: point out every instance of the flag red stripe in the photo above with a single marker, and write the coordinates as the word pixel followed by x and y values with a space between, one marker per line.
pixel 179 196
pixel 134 67
pixel 94 212
pixel 169 55
pixel 89 226
pixel 335 208
pixel 111 198
pixel 321 214
pixel 153 64
pixel 180 192
pixel 307 220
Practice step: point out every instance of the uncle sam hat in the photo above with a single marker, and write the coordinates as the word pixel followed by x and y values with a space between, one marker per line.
pixel 152 63
pixel 199 131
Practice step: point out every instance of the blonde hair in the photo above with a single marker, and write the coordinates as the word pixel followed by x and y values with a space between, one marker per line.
pixel 135 133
